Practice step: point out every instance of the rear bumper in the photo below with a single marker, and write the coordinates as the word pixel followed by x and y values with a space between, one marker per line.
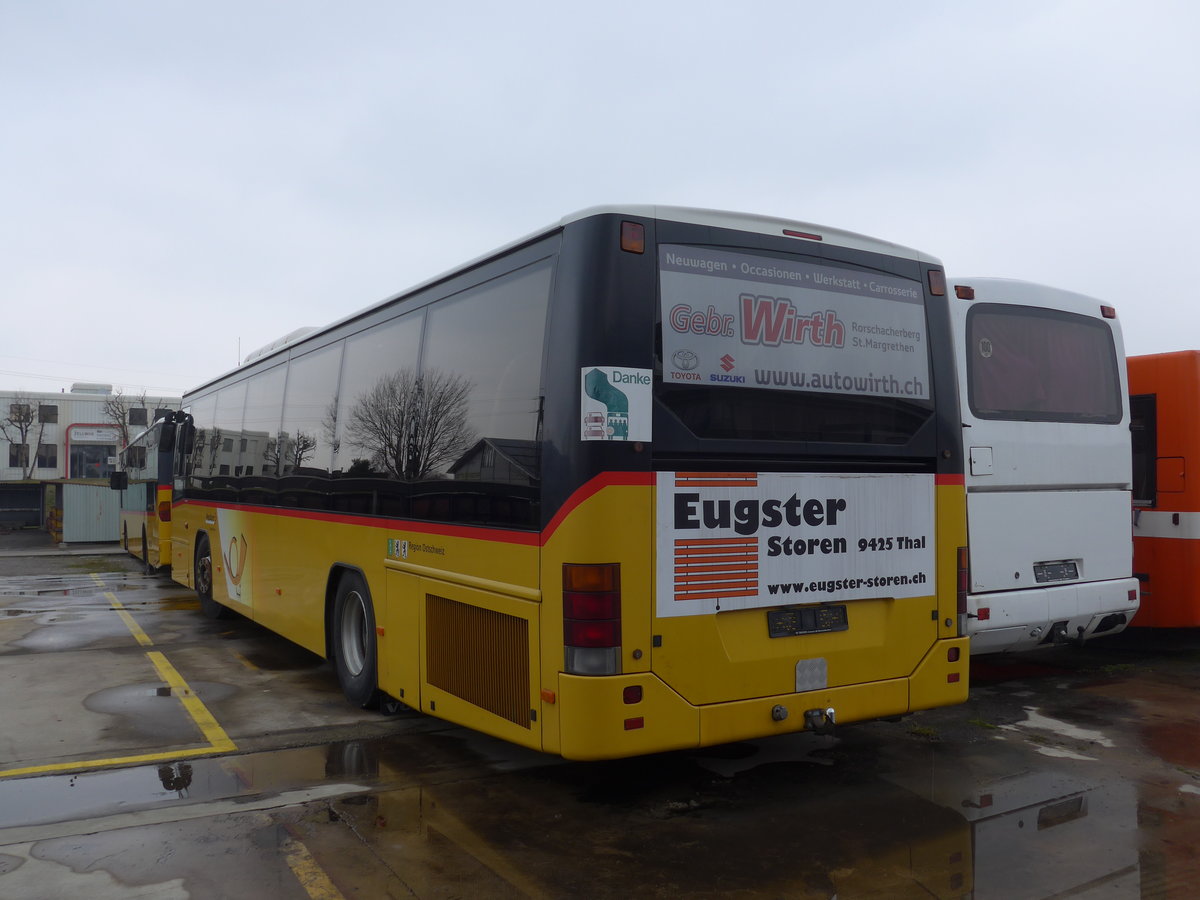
pixel 1023 620
pixel 596 723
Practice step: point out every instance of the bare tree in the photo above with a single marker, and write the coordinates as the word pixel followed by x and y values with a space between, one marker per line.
pixel 412 424
pixel 329 430
pixel 16 428
pixel 287 453
pixel 116 411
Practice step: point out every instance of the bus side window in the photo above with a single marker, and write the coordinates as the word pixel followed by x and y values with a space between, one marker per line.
pixel 1143 427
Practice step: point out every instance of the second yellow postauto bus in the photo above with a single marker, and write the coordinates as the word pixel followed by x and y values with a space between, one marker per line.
pixel 651 478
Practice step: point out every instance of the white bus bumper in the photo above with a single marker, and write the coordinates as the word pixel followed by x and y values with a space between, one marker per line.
pixel 1008 621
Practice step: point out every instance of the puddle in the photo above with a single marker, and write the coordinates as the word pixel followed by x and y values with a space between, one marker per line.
pixel 1034 719
pixel 59 798
pixel 153 710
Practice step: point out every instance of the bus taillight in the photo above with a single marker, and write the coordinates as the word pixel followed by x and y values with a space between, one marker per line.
pixel 164 510
pixel 633 237
pixel 964 582
pixel 592 618
pixel 1109 312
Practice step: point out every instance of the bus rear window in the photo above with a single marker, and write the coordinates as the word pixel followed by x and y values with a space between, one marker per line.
pixel 1041 365
pixel 772 348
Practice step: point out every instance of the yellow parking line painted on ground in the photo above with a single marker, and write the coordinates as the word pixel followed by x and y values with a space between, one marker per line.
pixel 212 732
pixel 134 628
pixel 310 875
pixel 159 756
pixel 218 740
pixel 245 662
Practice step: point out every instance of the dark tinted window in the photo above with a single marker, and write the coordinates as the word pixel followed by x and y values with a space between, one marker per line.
pixel 490 339
pixel 310 411
pixel 1041 365
pixel 1143 426
pixel 257 449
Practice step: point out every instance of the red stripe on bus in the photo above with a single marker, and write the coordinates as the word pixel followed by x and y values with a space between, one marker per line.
pixel 959 479
pixel 509 536
pixel 526 538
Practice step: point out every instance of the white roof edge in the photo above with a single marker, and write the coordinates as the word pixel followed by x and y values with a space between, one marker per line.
pixel 751 222
pixel 1017 291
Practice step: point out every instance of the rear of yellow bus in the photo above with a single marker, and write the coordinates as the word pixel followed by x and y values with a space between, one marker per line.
pixel 752 488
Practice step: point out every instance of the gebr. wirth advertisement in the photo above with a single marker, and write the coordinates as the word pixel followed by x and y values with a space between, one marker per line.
pixel 752 321
pixel 742 540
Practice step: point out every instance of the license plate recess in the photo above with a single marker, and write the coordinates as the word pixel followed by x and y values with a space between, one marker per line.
pixel 794 620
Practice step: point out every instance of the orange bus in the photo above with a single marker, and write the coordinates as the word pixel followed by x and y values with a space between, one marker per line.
pixel 1164 396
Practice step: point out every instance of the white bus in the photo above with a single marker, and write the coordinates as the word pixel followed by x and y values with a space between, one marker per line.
pixel 1045 412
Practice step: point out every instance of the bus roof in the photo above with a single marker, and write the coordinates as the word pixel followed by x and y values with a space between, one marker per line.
pixel 1028 293
pixel 736 221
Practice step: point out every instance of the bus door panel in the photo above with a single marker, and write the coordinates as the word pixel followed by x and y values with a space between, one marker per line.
pixel 399 628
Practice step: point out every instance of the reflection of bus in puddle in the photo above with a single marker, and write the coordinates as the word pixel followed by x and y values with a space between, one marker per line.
pixel 1043 834
pixel 660 825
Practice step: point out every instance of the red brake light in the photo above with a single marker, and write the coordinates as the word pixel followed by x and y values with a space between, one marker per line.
pixel 964 292
pixel 1109 312
pixel 633 237
pixel 164 511
pixel 937 282
pixel 803 234
pixel 592 618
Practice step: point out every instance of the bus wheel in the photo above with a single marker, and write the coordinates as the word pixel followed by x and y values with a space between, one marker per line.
pixel 203 580
pixel 354 640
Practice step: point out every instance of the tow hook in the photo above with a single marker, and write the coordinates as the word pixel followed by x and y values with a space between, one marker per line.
pixel 820 721
pixel 1078 640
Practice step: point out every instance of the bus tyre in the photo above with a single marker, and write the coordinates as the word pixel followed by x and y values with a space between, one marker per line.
pixel 202 579
pixel 354 648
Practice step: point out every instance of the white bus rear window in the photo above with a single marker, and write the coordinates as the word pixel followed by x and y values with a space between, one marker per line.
pixel 1041 365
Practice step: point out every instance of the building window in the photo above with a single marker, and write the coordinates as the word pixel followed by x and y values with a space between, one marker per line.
pixel 137 416
pixel 47 455
pixel 227 445
pixel 48 413
pixel 18 455
pixel 18 411
pixel 90 460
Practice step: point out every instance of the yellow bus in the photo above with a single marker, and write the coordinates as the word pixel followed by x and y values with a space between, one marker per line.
pixel 650 478
pixel 144 476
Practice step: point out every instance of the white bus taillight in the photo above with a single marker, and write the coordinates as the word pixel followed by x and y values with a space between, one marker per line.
pixel 964 582
pixel 592 618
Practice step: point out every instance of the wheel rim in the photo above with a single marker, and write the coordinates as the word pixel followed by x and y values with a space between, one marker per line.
pixel 352 634
pixel 204 572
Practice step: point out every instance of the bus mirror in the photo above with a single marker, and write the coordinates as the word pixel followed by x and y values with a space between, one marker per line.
pixel 118 481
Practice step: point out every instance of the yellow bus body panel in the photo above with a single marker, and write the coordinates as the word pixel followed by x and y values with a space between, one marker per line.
pixel 710 679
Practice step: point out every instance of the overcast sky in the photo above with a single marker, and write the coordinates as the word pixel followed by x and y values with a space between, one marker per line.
pixel 184 182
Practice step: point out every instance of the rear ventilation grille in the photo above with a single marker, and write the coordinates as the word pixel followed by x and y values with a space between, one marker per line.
pixel 480 656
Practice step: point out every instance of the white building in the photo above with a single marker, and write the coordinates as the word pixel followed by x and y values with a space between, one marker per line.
pixel 46 436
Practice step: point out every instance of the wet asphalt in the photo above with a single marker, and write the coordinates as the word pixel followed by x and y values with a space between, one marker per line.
pixel 1072 772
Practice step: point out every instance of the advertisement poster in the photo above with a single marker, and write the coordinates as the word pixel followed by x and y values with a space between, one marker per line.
pixel 746 540
pixel 616 403
pixel 740 320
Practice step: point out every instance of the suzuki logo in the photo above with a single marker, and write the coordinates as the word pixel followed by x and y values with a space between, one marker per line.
pixel 727 362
